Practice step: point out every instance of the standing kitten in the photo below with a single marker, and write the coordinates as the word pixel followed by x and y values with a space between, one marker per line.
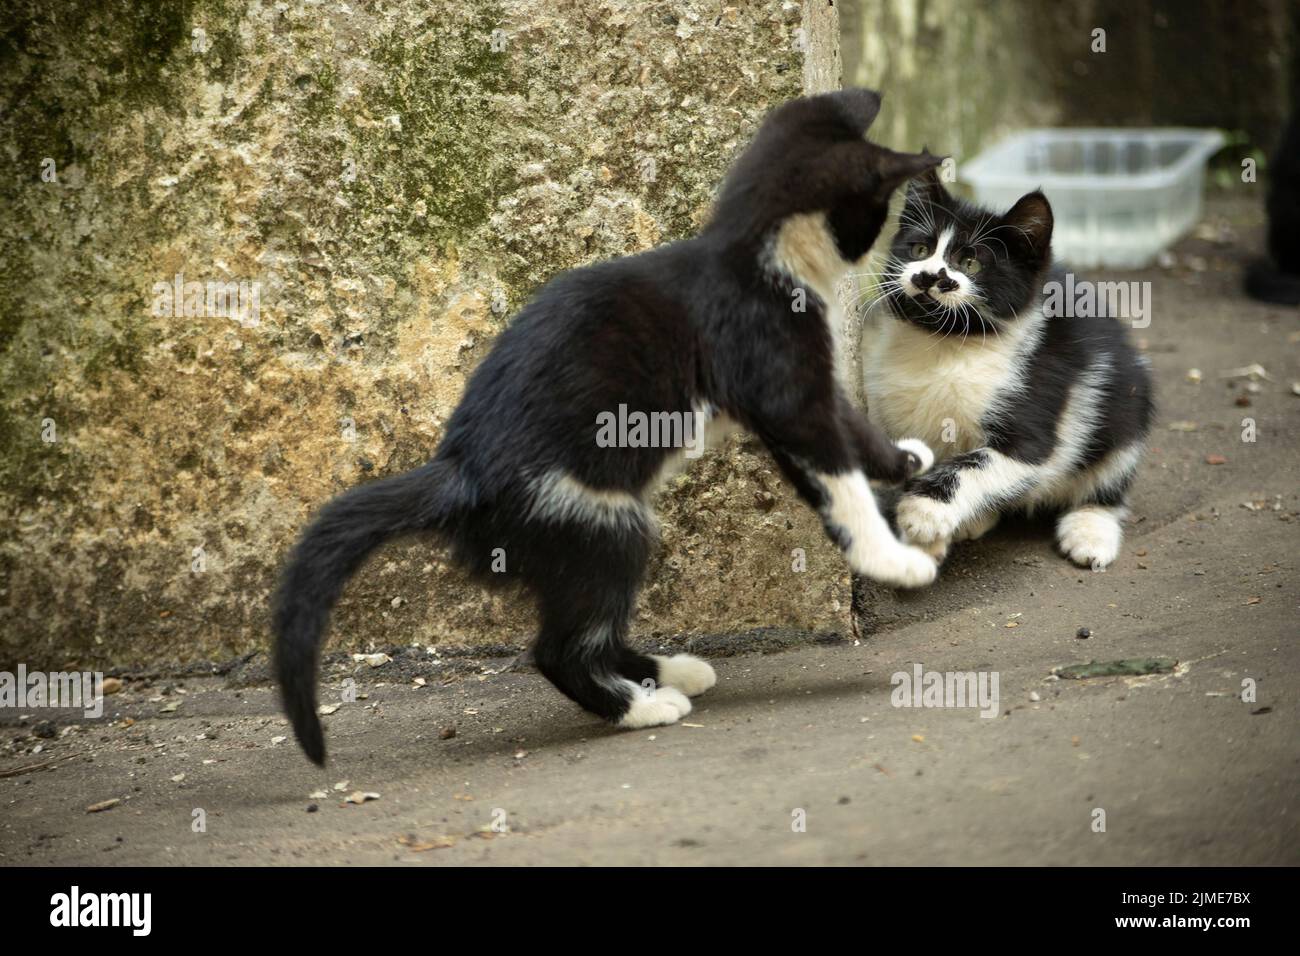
pixel 736 325
pixel 1032 411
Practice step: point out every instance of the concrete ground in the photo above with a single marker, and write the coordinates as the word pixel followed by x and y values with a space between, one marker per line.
pixel 798 757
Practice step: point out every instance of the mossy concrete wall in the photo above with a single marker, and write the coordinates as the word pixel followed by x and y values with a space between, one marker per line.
pixel 393 181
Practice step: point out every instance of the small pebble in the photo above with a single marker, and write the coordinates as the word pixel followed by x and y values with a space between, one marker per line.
pixel 1083 633
pixel 312 807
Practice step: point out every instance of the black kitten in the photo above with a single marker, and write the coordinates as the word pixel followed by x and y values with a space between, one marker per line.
pixel 1277 279
pixel 1033 407
pixel 735 325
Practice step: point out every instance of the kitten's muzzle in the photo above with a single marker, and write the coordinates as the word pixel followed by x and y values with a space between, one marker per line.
pixel 934 283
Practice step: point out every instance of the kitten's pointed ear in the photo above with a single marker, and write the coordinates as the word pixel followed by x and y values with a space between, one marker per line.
pixel 858 107
pixel 1031 218
pixel 894 169
pixel 927 186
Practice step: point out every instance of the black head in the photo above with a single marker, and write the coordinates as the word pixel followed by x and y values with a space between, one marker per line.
pixel 811 155
pixel 957 269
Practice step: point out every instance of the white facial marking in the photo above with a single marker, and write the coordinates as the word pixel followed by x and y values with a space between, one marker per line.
pixel 938 260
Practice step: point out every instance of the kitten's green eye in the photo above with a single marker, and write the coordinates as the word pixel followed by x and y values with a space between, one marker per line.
pixel 920 251
pixel 970 265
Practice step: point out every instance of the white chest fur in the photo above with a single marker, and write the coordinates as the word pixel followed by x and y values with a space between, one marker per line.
pixel 940 389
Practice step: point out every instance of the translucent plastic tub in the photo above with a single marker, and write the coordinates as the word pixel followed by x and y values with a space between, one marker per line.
pixel 1118 196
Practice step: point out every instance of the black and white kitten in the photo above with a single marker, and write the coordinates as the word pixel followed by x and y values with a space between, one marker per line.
pixel 735 326
pixel 1029 410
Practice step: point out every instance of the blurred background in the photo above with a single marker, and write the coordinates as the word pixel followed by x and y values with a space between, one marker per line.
pixel 963 73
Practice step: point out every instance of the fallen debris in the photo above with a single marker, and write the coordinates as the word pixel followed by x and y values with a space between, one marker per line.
pixel 103 805
pixel 33 767
pixel 1132 667
pixel 417 845
pixel 1254 372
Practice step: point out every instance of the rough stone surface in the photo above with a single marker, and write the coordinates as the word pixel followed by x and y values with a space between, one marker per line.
pixel 397 179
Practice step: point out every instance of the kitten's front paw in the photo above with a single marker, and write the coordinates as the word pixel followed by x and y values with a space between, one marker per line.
pixel 920 451
pixel 900 566
pixel 937 549
pixel 923 520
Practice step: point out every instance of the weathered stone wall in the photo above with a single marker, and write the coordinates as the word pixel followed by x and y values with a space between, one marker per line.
pixel 394 180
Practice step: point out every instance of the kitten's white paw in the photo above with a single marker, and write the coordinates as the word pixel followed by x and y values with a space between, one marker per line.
pixel 1090 537
pixel 922 520
pixel 936 549
pixel 686 672
pixel 921 450
pixel 899 566
pixel 977 527
pixel 656 707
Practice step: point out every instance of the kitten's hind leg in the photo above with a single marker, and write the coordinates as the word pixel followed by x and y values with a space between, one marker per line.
pixel 586 598
pixel 686 672
pixel 591 665
pixel 1091 535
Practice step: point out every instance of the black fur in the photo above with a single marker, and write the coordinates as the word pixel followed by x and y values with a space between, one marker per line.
pixel 941 483
pixel 704 320
pixel 1277 279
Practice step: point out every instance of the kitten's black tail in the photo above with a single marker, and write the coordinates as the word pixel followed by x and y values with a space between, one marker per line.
pixel 346 530
pixel 1264 281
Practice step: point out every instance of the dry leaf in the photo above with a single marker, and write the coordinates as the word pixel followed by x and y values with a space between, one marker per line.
pixel 416 845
